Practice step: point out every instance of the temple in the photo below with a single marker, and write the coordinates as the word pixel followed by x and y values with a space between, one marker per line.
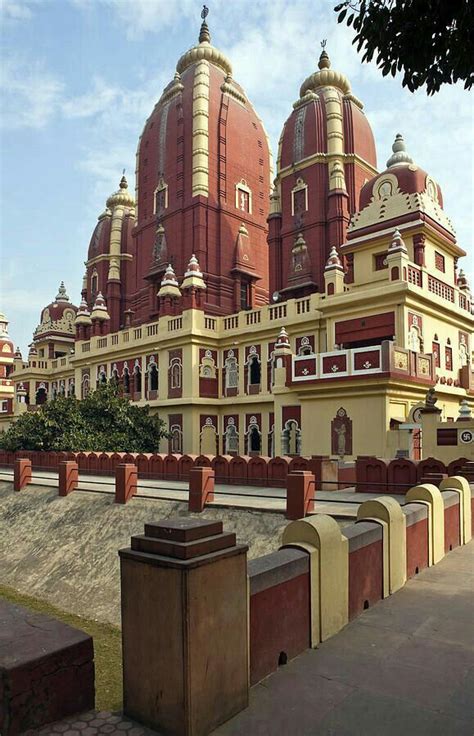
pixel 306 310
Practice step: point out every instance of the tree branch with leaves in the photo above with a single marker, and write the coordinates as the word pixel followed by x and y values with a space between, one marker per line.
pixel 430 41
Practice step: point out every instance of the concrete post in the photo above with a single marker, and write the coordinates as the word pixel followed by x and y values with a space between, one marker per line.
pixel 184 626
pixel 21 473
pixel 300 488
pixel 125 482
pixel 201 488
pixel 68 477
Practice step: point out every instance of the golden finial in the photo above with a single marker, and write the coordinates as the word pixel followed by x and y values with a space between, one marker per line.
pixel 204 34
pixel 324 62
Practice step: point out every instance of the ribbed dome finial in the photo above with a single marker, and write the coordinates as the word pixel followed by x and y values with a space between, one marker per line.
pixel 399 155
pixel 123 181
pixel 204 34
pixel 324 60
pixel 62 296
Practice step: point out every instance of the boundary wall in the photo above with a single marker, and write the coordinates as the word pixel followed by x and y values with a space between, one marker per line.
pixel 243 470
pixel 378 475
pixel 324 576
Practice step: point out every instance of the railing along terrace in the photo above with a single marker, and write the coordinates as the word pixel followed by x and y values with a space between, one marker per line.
pixel 337 364
pixel 362 361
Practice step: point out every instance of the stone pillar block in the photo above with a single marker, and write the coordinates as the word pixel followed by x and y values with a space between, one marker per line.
pixel 21 473
pixel 201 488
pixel 68 477
pixel 184 626
pixel 300 488
pixel 125 482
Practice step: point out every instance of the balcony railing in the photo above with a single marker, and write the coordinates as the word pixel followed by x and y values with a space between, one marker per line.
pixel 368 361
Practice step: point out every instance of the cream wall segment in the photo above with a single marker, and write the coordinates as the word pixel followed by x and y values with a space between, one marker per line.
pixel 115 242
pixel 329 572
pixel 240 350
pixel 163 365
pixel 386 509
pixel 448 274
pixel 190 431
pixel 446 453
pixel 201 129
pixel 461 486
pixel 190 373
pixel 430 496
pixel 368 438
pixel 443 329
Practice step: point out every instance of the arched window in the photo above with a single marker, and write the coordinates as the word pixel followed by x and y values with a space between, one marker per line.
pixel 114 378
pixel 137 376
pixel 414 339
pixel 231 440
pixel 271 441
pixel 176 442
pixel 231 372
pixel 152 377
pixel 126 380
pixel 254 439
pixel 54 392
pixel 207 368
pixel 102 378
pixel 41 395
pixel 62 389
pixel 175 372
pixel 291 438
pixel 463 352
pixel 255 371
pixel 94 285
pixel 85 386
pixel 71 389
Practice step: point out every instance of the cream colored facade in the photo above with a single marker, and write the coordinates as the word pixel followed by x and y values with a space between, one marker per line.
pixel 373 401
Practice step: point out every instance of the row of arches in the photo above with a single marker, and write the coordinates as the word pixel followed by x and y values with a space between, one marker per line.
pixel 253 439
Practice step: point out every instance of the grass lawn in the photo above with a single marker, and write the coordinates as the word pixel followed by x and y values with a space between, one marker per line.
pixel 107 647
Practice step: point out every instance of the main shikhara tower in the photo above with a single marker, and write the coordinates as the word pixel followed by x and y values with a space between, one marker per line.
pixel 259 311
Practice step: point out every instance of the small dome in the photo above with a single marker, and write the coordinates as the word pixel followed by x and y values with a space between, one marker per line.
pixel 83 316
pixel 397 244
pixel 326 77
pixel 122 197
pixel 399 155
pixel 305 131
pixel 402 175
pixel 58 316
pixel 205 51
pixel 333 262
pixel 99 310
pixel 193 276
pixel 169 283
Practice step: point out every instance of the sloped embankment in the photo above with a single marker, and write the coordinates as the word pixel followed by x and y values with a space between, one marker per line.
pixel 64 550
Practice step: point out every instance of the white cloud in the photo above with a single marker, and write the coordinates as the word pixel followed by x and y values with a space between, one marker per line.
pixel 30 93
pixel 15 10
pixel 100 97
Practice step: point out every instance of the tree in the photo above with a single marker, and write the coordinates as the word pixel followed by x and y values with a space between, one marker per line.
pixel 430 40
pixel 104 421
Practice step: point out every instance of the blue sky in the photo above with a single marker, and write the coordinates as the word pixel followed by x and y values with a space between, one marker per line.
pixel 79 77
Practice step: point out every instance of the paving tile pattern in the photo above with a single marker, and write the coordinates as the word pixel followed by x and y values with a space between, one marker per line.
pixel 94 723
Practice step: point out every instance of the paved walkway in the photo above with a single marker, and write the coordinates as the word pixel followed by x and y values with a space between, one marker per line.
pixel 403 668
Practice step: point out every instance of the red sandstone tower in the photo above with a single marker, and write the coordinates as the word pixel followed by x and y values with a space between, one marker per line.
pixel 326 153
pixel 203 185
